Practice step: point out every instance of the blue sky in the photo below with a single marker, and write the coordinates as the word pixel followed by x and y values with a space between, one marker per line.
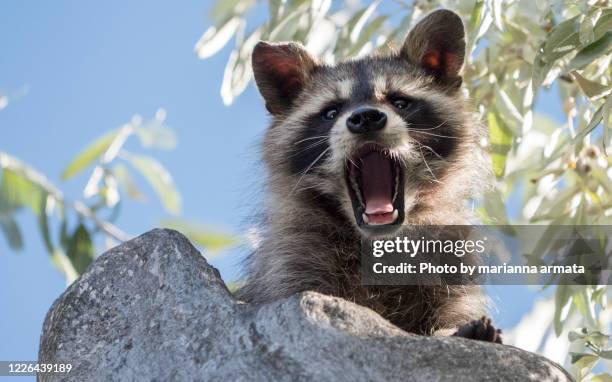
pixel 89 66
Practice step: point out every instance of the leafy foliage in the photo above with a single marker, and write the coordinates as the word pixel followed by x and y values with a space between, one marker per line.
pixel 212 240
pixel 73 249
pixel 518 50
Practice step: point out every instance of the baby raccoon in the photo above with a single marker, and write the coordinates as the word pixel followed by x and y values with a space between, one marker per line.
pixel 367 147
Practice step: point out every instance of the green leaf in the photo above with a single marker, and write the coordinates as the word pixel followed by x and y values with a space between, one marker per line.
pixel 360 21
pixel 581 302
pixel 562 298
pixel 603 24
pixel 224 10
pixel 603 179
pixel 500 138
pixel 607 354
pixel 598 338
pixel 366 34
pixel 9 199
pixel 89 154
pixel 43 225
pixel 476 26
pixel 11 231
pixel 275 8
pixel 159 179
pixel 599 296
pixel 17 191
pixel 238 70
pixel 553 207
pixel 583 360
pixel 126 181
pixel 603 377
pixel 80 249
pixel 591 52
pixel 590 88
pixel 496 12
pixel 61 261
pixel 214 39
pixel 587 34
pixel 64 239
pixel 597 117
pixel 577 334
pixel 512 118
pixel 563 39
pixel 496 208
pixel 212 240
pixel 605 121
pixel 541 68
pixel 287 27
pixel 580 215
pixel 350 31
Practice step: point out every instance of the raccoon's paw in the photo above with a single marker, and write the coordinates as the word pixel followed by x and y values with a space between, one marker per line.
pixel 481 330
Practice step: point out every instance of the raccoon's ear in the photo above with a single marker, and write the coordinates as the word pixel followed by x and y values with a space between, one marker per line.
pixel 281 71
pixel 437 43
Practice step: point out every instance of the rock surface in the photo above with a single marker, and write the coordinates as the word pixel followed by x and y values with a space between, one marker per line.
pixel 153 309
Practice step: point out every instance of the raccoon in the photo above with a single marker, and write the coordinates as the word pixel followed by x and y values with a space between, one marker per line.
pixel 368 146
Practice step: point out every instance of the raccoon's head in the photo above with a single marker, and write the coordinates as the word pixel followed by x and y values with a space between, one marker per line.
pixel 367 139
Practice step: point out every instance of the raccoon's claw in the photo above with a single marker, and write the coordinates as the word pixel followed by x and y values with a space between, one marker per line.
pixel 481 330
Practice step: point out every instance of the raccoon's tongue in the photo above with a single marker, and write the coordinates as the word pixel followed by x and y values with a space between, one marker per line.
pixel 377 184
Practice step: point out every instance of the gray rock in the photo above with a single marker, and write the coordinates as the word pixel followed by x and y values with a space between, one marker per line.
pixel 153 309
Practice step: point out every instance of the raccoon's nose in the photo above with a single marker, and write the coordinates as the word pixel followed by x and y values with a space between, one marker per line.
pixel 365 120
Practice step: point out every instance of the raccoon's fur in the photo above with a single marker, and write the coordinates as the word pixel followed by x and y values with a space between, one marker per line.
pixel 314 220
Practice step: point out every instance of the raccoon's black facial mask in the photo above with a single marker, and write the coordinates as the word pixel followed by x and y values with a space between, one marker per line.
pixel 376 185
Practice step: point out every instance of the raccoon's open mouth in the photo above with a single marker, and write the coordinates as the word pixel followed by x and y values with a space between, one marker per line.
pixel 375 183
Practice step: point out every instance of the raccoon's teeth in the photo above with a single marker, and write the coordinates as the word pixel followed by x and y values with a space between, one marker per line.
pixel 367 221
pixel 397 172
pixel 356 189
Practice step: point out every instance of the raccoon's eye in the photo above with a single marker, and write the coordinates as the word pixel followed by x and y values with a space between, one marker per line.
pixel 400 102
pixel 330 113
